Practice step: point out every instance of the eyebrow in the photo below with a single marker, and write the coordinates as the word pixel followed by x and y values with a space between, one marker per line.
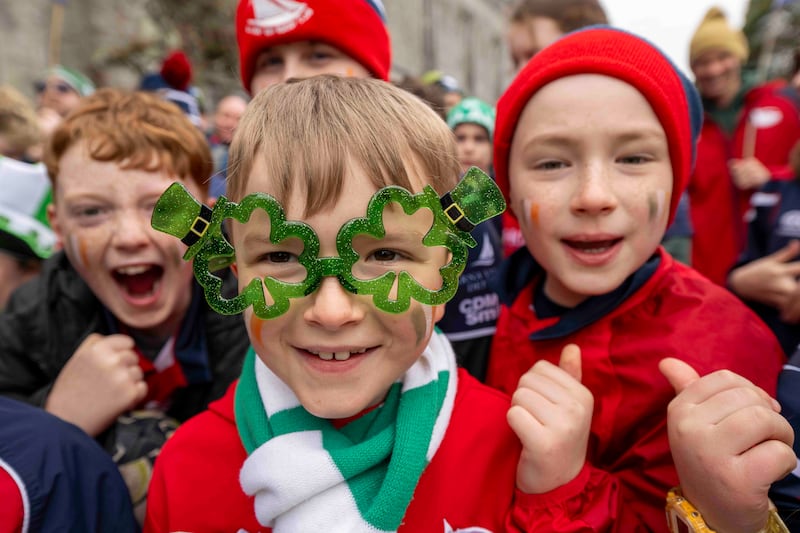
pixel 620 137
pixel 398 236
pixel 255 239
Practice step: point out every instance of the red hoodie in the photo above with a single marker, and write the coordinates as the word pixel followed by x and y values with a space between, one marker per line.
pixel 665 310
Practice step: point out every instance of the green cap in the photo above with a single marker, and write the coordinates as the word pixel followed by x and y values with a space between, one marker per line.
pixel 472 110
pixel 25 193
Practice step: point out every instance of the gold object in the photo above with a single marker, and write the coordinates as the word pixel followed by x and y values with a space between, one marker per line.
pixel 682 517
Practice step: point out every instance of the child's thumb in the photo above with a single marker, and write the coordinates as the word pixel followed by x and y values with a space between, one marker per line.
pixel 570 361
pixel 679 374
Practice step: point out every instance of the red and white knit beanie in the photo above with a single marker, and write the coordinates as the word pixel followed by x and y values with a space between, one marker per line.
pixel 356 27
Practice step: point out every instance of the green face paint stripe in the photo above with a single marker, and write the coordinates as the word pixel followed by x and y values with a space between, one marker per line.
pixel 420 323
pixel 652 204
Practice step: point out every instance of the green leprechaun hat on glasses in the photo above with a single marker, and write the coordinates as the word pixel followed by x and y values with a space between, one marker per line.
pixel 475 199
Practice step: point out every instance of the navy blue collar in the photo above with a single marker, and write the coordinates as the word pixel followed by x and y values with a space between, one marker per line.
pixel 516 272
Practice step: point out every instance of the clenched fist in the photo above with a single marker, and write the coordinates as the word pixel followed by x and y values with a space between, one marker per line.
pixel 100 381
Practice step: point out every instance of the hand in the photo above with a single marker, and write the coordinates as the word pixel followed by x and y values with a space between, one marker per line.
pixel 771 280
pixel 748 173
pixel 100 381
pixel 729 444
pixel 551 413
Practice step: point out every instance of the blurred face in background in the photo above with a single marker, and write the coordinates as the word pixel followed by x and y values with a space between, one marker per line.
pixel 226 118
pixel 473 146
pixel 56 94
pixel 527 37
pixel 718 75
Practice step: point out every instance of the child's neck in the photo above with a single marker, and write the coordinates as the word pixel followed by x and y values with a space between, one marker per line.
pixel 148 344
pixel 339 423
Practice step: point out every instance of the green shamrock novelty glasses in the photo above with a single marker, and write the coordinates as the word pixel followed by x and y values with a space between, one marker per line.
pixel 299 270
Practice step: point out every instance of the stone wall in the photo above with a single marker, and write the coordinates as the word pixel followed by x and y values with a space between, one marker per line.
pixel 115 41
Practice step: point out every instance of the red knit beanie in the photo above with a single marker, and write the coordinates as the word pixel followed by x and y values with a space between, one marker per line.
pixel 356 27
pixel 618 54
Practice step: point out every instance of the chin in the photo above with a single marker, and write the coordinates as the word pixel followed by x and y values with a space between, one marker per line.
pixel 333 409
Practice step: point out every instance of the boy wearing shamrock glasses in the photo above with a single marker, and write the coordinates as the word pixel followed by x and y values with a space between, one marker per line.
pixel 350 414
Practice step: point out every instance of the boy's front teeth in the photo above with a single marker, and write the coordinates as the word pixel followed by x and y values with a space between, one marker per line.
pixel 339 356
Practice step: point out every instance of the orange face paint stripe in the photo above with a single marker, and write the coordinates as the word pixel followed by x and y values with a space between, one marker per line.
pixel 255 329
pixel 533 213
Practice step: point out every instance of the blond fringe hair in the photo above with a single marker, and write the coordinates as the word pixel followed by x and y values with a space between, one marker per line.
pixel 307 133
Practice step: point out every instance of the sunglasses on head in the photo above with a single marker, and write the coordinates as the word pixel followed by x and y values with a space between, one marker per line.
pixel 60 86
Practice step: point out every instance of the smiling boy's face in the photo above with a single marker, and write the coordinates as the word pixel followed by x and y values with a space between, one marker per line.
pixel 334 349
pixel 101 215
pixel 590 182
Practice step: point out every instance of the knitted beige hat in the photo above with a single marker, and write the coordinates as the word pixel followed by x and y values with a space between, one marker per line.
pixel 715 32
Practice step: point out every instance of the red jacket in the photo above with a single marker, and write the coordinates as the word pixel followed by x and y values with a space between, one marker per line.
pixel 717 207
pixel 666 309
pixel 469 482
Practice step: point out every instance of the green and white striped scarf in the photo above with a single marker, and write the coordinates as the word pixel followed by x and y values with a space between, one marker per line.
pixel 306 475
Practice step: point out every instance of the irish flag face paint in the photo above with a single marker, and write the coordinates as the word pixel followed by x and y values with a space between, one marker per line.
pixel 656 202
pixel 76 249
pixel 530 210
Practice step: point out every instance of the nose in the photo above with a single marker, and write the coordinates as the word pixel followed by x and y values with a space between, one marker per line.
pixel 332 306
pixel 469 146
pixel 132 230
pixel 594 194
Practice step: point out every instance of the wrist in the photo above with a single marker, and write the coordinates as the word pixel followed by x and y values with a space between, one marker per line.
pixel 682 516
